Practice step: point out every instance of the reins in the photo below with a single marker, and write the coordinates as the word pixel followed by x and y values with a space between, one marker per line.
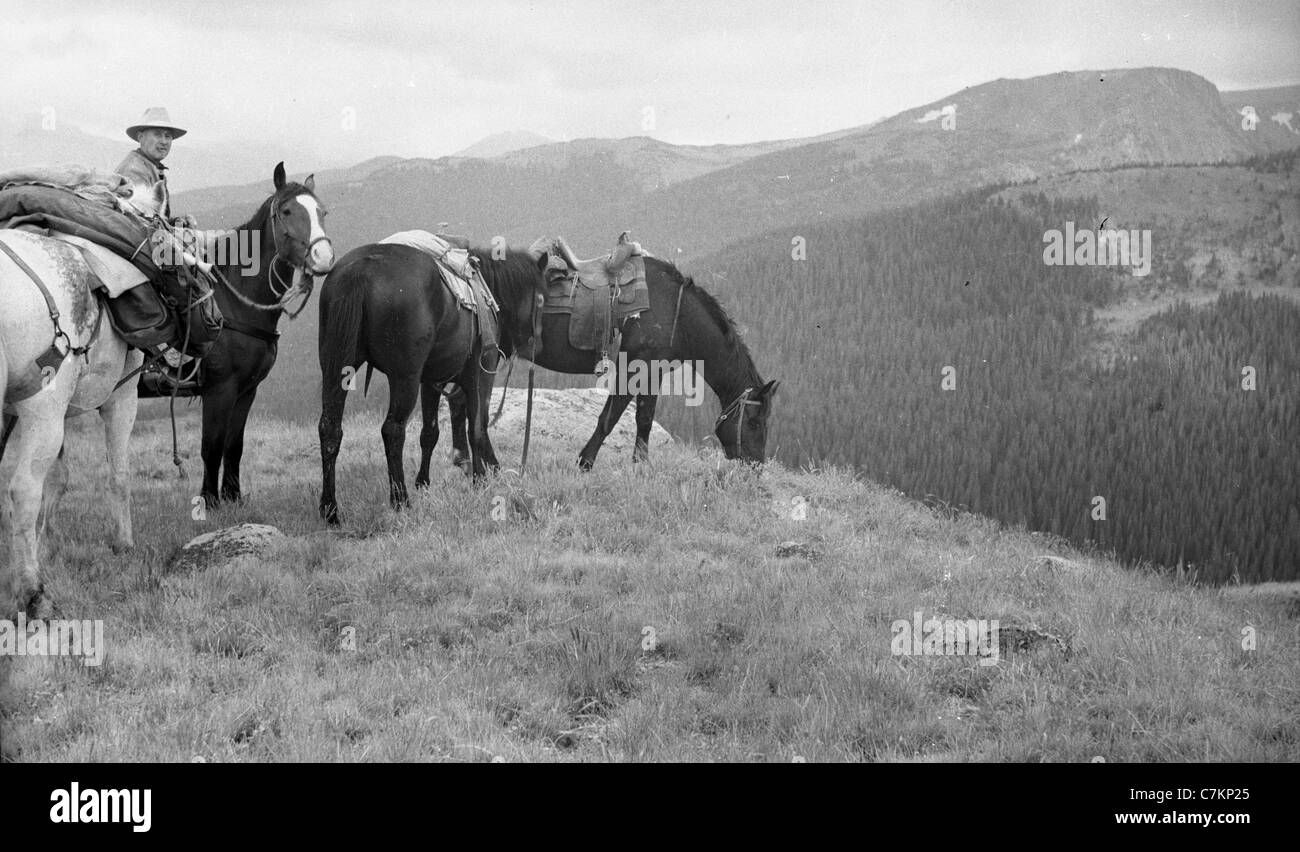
pixel 284 291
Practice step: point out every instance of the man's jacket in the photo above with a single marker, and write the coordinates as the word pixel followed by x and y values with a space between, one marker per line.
pixel 142 170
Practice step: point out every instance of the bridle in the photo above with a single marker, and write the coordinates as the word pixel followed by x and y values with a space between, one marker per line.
pixel 276 216
pixel 284 291
pixel 737 407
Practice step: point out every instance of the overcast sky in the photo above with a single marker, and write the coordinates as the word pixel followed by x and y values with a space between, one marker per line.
pixel 354 80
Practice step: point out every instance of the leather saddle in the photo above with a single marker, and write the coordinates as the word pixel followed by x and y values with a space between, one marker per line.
pixel 612 289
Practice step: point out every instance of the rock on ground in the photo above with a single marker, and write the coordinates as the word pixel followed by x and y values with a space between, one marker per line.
pixel 211 548
pixel 565 418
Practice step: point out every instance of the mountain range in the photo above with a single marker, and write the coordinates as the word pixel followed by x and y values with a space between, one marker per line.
pixel 687 201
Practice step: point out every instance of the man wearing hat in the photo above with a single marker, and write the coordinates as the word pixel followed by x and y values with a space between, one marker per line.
pixel 144 165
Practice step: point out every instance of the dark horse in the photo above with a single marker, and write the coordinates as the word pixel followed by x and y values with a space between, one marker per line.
pixel 684 323
pixel 386 305
pixel 286 229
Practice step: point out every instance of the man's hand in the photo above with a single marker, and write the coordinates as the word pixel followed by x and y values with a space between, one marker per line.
pixel 185 221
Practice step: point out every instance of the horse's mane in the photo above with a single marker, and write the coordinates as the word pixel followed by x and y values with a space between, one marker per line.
pixel 514 275
pixel 714 309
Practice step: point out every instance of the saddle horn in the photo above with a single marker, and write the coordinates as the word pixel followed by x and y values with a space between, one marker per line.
pixel 539 248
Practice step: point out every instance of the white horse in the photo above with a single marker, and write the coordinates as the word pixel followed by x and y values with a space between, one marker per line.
pixel 40 398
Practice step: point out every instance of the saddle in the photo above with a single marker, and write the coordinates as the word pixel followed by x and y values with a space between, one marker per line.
pixel 598 294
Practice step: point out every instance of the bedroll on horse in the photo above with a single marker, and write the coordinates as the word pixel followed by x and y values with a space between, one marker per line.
pixel 175 307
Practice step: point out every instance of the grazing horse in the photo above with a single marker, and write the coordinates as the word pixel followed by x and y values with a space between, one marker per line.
pixel 287 229
pixel 39 388
pixel 386 305
pixel 684 323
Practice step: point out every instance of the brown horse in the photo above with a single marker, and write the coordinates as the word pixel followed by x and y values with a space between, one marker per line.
pixel 385 304
pixel 684 323
pixel 287 229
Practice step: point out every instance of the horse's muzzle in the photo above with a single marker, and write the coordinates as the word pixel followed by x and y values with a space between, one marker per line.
pixel 320 256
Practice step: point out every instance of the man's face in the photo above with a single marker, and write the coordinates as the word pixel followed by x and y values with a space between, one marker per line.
pixel 155 141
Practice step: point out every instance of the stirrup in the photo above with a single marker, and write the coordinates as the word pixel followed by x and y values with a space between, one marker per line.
pixel 160 380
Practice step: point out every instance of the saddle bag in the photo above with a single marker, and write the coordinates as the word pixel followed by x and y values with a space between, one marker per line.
pixel 202 321
pixel 141 319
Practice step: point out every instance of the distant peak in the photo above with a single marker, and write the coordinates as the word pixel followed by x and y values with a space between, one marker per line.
pixel 503 143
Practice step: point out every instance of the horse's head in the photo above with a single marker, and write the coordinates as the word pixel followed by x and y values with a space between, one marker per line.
pixel 741 428
pixel 518 283
pixel 297 225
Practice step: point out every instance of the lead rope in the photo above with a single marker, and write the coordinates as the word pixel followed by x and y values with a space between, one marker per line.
pixel 510 368
pixel 176 386
pixel 528 411
pixel 676 313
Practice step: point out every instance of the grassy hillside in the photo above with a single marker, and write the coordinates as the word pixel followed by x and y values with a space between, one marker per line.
pixel 522 639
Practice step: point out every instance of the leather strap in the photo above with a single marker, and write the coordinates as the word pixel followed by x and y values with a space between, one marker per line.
pixel 52 357
pixel 251 331
pixel 31 273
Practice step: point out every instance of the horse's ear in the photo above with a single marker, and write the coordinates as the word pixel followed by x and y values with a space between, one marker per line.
pixel 310 183
pixel 543 261
pixel 278 177
pixel 769 389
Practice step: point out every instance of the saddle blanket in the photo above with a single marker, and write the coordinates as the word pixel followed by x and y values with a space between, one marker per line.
pixel 115 273
pixel 459 272
pixel 461 277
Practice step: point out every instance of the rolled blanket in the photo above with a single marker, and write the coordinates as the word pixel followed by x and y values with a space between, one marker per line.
pixel 91 184
pixel 66 211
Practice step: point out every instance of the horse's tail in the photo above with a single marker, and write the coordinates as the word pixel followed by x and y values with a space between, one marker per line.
pixel 340 323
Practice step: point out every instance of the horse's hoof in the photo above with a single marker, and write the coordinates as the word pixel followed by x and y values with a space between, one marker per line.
pixel 120 547
pixel 38 605
pixel 584 464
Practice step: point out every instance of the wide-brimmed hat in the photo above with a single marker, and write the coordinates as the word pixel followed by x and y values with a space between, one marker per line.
pixel 155 117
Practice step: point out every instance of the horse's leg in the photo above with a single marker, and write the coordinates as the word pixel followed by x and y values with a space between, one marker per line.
pixel 34 448
pixel 402 391
pixel 118 414
pixel 217 404
pixel 478 396
pixel 614 408
pixel 457 405
pixel 485 405
pixel 56 485
pixel 333 398
pixel 430 397
pixel 645 418
pixel 234 450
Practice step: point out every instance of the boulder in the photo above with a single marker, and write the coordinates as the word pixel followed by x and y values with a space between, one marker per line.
pixel 209 549
pixel 564 419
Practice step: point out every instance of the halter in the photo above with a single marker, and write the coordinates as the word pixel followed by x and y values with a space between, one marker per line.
pixel 284 291
pixel 737 407
pixel 276 215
